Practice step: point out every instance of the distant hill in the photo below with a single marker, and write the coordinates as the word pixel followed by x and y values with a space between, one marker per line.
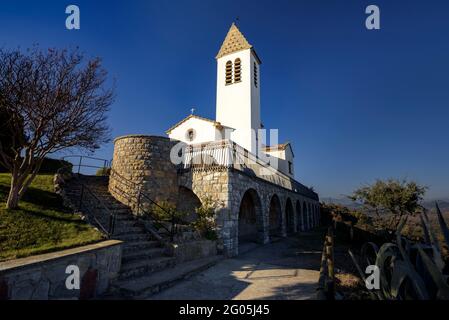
pixel 428 204
pixel 443 204
pixel 341 201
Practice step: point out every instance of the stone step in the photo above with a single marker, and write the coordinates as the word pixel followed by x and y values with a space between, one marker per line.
pixel 142 254
pixel 133 237
pixel 125 218
pixel 147 285
pixel 125 221
pixel 118 207
pixel 127 230
pixel 145 266
pixel 112 205
pixel 131 246
pixel 125 211
pixel 121 221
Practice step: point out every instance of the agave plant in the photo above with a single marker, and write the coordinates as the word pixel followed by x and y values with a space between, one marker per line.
pixel 409 270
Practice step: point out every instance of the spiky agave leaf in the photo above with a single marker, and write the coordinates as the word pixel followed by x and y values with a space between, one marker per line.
pixel 424 228
pixel 434 243
pixel 376 294
pixel 386 255
pixel 369 251
pixel 400 241
pixel 437 277
pixel 443 225
pixel 403 272
pixel 390 261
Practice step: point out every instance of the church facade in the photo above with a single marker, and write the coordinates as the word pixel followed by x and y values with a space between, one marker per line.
pixel 225 160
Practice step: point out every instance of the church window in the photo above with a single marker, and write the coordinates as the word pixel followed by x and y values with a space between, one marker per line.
pixel 190 135
pixel 290 167
pixel 229 72
pixel 237 70
pixel 255 74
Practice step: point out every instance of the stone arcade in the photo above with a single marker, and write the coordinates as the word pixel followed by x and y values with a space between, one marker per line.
pixel 221 161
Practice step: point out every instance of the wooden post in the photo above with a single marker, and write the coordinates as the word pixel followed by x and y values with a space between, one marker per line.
pixel 322 282
pixel 330 265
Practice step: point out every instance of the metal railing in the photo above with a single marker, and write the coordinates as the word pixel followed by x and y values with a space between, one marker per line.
pixel 79 163
pixel 88 197
pixel 144 206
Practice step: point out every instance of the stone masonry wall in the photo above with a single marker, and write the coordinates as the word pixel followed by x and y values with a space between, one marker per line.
pixel 227 187
pixel 143 162
pixel 43 277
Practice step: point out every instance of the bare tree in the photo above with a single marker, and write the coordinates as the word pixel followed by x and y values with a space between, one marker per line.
pixel 49 101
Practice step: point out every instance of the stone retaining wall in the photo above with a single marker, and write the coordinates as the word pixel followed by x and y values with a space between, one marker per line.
pixel 44 277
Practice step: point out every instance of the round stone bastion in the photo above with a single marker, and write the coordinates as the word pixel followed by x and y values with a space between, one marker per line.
pixel 142 162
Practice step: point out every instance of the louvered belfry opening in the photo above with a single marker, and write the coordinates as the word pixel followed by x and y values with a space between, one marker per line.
pixel 237 70
pixel 255 74
pixel 229 72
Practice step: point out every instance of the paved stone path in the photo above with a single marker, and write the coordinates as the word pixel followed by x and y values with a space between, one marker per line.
pixel 285 269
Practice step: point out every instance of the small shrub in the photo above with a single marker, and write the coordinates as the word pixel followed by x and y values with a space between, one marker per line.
pixel 103 172
pixel 205 223
pixel 166 211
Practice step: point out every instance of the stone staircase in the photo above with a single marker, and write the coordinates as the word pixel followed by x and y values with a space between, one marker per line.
pixel 146 268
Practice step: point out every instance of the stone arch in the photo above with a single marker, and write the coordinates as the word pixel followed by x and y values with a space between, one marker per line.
pixel 275 216
pixel 250 226
pixel 299 217
pixel 309 210
pixel 187 202
pixel 313 215
pixel 289 216
pixel 305 216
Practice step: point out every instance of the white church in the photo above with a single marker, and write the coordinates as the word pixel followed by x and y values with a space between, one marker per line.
pixel 225 160
pixel 237 107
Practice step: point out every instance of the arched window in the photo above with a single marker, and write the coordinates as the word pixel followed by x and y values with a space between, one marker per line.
pixel 190 134
pixel 237 70
pixel 255 74
pixel 229 72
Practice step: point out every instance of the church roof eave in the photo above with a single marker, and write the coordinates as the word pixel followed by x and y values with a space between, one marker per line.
pixel 215 123
pixel 279 147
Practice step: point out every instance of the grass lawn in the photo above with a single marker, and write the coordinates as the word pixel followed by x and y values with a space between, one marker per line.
pixel 41 224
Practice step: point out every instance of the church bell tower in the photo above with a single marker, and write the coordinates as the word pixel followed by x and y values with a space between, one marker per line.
pixel 238 89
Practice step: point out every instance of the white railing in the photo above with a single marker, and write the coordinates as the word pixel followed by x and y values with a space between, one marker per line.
pixel 225 154
pixel 205 156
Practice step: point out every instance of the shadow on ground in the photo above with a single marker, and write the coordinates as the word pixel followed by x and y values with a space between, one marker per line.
pixel 288 268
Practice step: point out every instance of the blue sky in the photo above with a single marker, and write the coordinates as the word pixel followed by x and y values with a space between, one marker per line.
pixel 356 104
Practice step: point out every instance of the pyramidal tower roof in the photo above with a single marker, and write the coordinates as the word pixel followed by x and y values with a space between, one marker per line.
pixel 234 41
